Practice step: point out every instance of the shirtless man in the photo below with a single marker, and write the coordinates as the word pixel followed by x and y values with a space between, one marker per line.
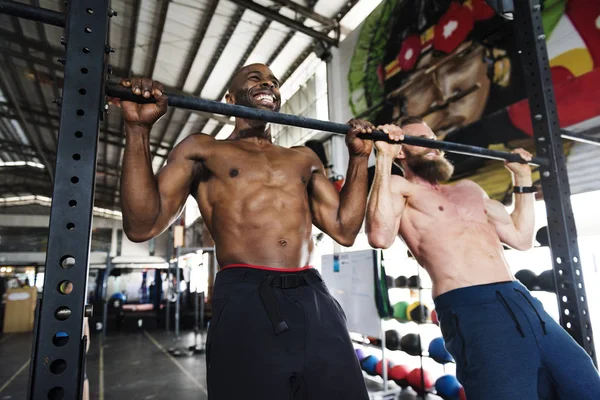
pixel 505 345
pixel 276 332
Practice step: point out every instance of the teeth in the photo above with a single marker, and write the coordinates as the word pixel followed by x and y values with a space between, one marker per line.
pixel 265 97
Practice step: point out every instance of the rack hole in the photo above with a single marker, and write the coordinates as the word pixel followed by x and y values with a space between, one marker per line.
pixel 82 91
pixel 577 272
pixel 88 29
pixel 65 287
pixel 70 226
pixel 67 262
pixel 60 339
pixel 584 312
pixel 567 312
pixel 78 134
pixel 58 366
pixel 84 71
pixel 565 299
pixel 580 286
pixel 72 203
pixel 74 179
pixel 76 156
pixel 582 299
pixel 558 260
pixel 86 50
pixel 56 393
pixel 569 325
pixel 62 313
pixel 80 112
pixel 90 10
pixel 575 259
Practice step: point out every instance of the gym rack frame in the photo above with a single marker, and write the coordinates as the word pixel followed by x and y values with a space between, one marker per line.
pixel 56 370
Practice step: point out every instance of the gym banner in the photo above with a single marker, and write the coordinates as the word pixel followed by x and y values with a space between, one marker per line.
pixel 456 65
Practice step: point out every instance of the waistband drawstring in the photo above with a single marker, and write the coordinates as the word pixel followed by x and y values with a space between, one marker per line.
pixel 510 311
pixel 542 322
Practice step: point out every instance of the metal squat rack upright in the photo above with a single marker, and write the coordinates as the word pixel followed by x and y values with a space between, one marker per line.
pixel 570 289
pixel 58 351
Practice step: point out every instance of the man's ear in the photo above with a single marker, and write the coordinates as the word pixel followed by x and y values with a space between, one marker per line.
pixel 401 155
pixel 230 98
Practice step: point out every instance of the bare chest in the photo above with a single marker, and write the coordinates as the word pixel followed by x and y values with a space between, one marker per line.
pixel 270 167
pixel 456 202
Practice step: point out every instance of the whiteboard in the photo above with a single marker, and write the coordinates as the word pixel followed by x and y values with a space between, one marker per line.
pixel 350 278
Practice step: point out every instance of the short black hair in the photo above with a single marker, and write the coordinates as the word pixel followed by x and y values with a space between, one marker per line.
pixel 410 121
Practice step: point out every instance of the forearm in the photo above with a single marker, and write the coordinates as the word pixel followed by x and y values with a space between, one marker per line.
pixel 353 197
pixel 523 215
pixel 140 200
pixel 381 210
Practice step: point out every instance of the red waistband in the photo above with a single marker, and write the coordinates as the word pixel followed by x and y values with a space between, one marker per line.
pixel 306 267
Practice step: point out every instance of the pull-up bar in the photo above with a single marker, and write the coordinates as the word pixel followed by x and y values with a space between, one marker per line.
pixel 195 103
pixel 32 13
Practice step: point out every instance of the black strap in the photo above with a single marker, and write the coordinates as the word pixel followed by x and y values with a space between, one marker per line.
pixel 524 189
pixel 268 300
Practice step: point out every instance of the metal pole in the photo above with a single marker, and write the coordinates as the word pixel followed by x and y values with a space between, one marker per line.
pixel 177 276
pixel 570 289
pixel 32 13
pixel 59 352
pixel 195 103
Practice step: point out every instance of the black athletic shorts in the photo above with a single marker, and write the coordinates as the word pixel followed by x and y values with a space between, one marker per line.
pixel 277 336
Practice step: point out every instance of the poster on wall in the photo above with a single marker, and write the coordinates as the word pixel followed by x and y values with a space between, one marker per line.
pixel 456 64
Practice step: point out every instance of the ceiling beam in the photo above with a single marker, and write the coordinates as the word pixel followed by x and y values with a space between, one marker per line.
pixel 290 23
pixel 37 141
pixel 308 13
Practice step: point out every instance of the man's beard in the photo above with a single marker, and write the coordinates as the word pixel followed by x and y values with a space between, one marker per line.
pixel 433 170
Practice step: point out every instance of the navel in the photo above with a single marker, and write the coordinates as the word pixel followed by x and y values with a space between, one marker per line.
pixel 283 243
pixel 234 172
pixel 441 208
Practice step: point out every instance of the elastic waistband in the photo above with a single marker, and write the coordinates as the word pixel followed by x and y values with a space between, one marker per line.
pixel 477 294
pixel 267 268
pixel 245 274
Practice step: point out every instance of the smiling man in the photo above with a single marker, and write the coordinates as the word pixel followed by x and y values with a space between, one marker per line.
pixel 276 332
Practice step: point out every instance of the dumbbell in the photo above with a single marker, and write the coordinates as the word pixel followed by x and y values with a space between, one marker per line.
pixel 399 374
pixel 544 281
pixel 437 351
pixel 417 312
pixel 414 282
pixel 448 388
pixel 411 344
pixel 400 311
pixel 417 377
pixel 392 339
pixel 369 364
pixel 389 281
pixel 360 354
pixel 401 282
pixel 379 368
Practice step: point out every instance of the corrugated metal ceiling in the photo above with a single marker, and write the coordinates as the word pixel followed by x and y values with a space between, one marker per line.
pixel 191 46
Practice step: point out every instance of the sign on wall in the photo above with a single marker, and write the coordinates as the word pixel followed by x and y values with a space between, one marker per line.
pixel 456 64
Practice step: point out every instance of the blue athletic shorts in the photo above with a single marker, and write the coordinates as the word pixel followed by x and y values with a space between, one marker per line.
pixel 506 347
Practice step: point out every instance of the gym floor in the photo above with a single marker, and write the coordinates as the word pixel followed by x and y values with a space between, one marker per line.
pixel 130 366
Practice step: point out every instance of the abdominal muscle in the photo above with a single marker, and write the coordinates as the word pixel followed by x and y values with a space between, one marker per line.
pixel 268 227
pixel 456 252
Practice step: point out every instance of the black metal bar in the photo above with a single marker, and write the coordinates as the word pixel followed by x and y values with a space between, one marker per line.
pixel 26 11
pixel 57 371
pixel 570 287
pixel 290 23
pixel 195 103
pixel 307 13
pixel 580 137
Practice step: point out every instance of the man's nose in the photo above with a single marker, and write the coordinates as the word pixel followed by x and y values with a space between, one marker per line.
pixel 268 84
